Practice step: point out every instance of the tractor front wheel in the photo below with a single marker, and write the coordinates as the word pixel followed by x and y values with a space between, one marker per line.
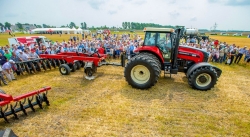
pixel 203 78
pixel 142 72
pixel 64 69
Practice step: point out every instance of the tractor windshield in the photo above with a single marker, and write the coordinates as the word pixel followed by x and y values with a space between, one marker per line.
pixel 160 39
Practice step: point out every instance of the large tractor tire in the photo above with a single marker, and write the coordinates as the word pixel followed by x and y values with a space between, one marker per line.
pixel 203 78
pixel 64 69
pixel 142 72
pixel 152 56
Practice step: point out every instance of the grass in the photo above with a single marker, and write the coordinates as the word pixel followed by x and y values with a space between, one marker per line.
pixel 108 106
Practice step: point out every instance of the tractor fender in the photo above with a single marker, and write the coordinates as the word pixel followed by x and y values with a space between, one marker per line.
pixel 202 64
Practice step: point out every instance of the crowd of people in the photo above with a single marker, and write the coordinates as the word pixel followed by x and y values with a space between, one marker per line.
pixel 221 52
pixel 112 45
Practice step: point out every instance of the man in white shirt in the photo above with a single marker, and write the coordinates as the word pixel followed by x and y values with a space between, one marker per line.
pixel 7 70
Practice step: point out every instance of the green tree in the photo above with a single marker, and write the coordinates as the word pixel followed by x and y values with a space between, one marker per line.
pixel 19 25
pixel 82 26
pixel 38 26
pixel 45 26
pixel 123 25
pixel 85 25
pixel 7 24
pixel 129 25
pixel 72 24
pixel 126 25
pixel 1 25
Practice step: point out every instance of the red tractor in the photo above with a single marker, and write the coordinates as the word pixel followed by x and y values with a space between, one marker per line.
pixel 161 51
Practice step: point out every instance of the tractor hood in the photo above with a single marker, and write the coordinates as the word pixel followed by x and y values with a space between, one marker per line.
pixel 194 54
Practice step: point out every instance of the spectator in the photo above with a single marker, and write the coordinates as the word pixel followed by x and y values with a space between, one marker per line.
pixel 240 54
pixel 7 70
pixel 3 59
pixel 247 55
pixel 1 77
pixel 231 56
pixel 221 54
pixel 7 54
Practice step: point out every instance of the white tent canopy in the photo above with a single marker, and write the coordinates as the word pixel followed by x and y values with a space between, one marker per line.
pixel 63 30
pixel 79 30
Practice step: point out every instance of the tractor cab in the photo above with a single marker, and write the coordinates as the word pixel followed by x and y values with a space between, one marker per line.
pixel 161 39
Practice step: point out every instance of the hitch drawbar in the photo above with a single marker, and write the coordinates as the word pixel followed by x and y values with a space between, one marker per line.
pixel 90 68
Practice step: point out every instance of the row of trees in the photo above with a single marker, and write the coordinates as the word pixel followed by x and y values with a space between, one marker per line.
pixel 136 25
pixel 83 25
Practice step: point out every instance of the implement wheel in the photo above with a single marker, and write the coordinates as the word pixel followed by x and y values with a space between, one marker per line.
pixel 72 67
pixel 203 78
pixel 64 69
pixel 142 72
pixel 78 65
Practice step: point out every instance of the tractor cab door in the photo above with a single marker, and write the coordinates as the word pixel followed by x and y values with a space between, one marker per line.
pixel 164 42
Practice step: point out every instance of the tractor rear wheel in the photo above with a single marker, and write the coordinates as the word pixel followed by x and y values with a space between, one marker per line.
pixel 152 56
pixel 64 69
pixel 142 72
pixel 203 78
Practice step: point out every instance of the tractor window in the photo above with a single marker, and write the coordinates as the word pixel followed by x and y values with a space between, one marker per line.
pixel 150 39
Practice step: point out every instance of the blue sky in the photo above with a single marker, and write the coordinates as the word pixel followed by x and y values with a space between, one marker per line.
pixel 228 14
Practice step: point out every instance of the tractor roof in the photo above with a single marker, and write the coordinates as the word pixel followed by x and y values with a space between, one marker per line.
pixel 158 29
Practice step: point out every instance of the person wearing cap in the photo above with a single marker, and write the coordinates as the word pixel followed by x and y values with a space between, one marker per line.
pixel 7 70
pixel 240 54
